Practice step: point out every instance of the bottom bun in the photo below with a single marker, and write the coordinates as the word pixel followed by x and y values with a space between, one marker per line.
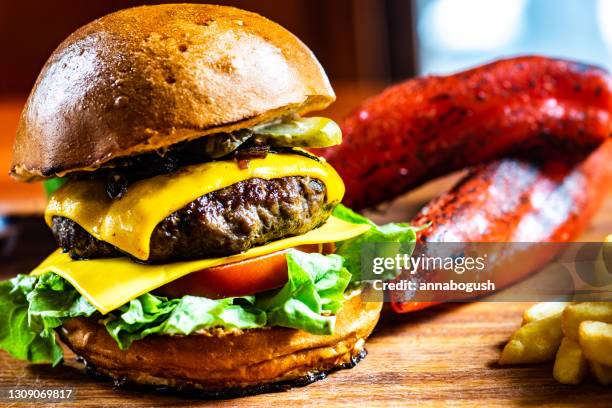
pixel 225 363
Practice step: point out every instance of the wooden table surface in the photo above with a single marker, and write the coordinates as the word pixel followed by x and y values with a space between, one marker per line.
pixel 442 356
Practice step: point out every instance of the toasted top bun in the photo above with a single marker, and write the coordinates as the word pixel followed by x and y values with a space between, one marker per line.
pixel 148 77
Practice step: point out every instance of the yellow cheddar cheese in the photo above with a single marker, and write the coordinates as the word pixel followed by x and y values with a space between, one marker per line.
pixel 128 222
pixel 110 283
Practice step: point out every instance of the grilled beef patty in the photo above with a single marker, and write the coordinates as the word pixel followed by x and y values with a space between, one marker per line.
pixel 224 222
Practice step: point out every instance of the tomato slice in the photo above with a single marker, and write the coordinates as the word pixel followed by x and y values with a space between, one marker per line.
pixel 242 278
pixel 407 307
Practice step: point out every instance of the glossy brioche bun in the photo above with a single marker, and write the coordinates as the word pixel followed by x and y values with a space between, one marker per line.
pixel 230 363
pixel 147 77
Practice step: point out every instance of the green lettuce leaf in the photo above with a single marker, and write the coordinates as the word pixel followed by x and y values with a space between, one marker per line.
pixel 151 314
pixel 52 185
pixel 32 309
pixel 314 291
pixel 353 250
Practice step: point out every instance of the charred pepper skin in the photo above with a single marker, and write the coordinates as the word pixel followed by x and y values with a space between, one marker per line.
pixel 431 126
pixel 517 200
pixel 492 203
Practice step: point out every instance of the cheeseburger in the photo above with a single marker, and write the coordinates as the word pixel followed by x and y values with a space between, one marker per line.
pixel 202 247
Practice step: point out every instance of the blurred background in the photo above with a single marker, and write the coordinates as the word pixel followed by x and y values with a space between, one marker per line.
pixel 356 40
pixel 363 44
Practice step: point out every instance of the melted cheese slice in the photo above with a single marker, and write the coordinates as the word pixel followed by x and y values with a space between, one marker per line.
pixel 128 223
pixel 110 283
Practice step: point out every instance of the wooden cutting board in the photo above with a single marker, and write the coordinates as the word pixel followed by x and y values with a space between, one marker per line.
pixel 442 356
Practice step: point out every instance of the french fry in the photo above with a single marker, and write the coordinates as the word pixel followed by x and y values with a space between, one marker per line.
pixel 577 313
pixel 602 373
pixel 535 342
pixel 570 365
pixel 587 345
pixel 543 310
pixel 596 341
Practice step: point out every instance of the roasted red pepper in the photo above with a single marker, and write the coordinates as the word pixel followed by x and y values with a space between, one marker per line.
pixel 431 126
pixel 518 200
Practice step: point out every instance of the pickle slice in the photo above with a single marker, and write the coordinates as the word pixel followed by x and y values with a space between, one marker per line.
pixel 300 132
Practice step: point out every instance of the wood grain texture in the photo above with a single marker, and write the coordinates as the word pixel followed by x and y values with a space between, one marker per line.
pixel 442 356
